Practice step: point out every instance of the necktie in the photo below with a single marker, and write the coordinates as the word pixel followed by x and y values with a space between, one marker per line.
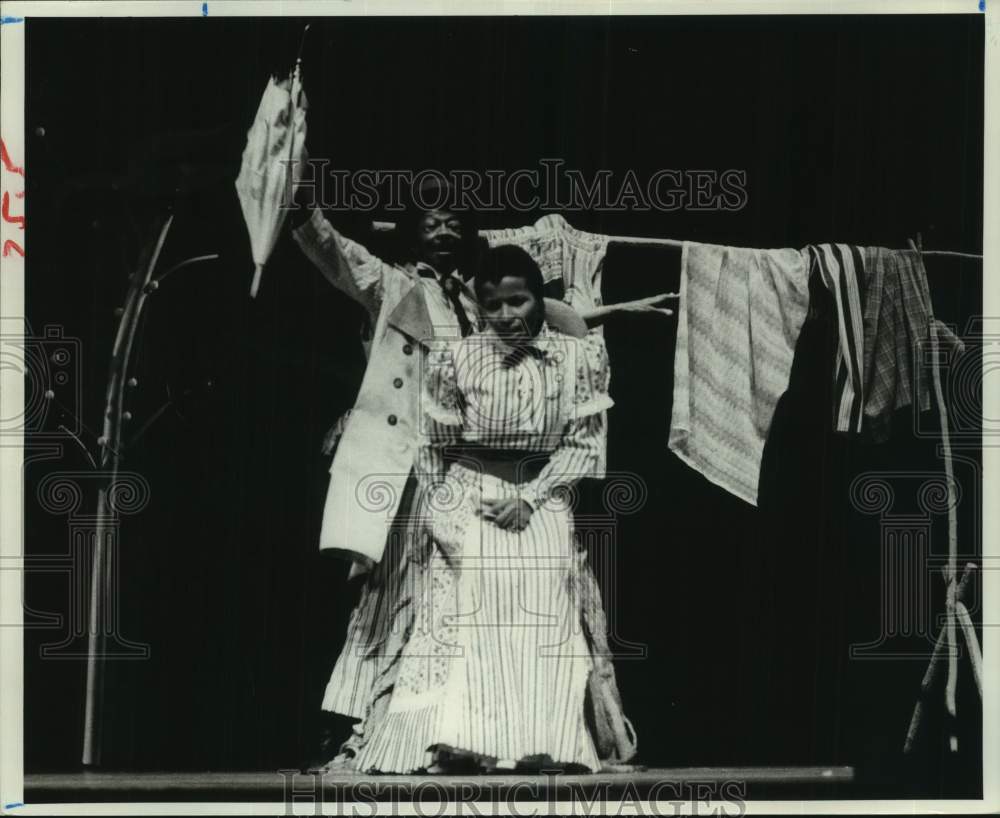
pixel 451 287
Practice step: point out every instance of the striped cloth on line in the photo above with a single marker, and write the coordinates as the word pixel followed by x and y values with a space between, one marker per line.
pixel 884 316
pixel 841 268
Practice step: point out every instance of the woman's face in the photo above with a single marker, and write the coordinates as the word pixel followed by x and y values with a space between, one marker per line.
pixel 511 309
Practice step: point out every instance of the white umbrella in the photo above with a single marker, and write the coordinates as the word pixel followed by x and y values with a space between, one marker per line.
pixel 266 184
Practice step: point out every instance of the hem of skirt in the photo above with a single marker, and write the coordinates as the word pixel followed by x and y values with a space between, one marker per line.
pixel 401 742
pixel 406 741
pixel 351 713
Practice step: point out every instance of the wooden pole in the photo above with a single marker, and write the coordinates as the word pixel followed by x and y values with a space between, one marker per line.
pixel 933 668
pixel 955 610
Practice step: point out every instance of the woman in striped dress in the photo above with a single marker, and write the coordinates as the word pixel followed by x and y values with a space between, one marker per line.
pixel 495 667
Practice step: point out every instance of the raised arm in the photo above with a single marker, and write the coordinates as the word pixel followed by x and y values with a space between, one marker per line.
pixel 345 263
pixel 651 305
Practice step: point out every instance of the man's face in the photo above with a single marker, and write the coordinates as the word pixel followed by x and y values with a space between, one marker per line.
pixel 439 235
pixel 511 309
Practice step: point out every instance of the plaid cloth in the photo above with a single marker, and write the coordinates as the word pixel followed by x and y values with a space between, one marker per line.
pixel 884 322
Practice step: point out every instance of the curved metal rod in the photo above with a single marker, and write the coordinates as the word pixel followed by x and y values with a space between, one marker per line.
pixel 193 260
pixel 79 443
pixel 110 442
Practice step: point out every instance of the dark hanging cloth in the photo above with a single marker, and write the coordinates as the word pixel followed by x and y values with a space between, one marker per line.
pixel 884 315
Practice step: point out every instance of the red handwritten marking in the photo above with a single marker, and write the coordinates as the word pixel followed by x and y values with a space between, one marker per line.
pixel 7 163
pixel 5 213
pixel 9 245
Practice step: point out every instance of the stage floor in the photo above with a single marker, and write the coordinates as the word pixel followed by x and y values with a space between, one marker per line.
pixel 667 784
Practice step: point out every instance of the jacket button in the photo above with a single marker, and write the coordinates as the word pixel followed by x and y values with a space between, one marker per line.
pixel 392 420
pixel 407 349
pixel 398 383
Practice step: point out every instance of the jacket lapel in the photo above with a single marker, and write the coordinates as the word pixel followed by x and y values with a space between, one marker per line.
pixel 410 315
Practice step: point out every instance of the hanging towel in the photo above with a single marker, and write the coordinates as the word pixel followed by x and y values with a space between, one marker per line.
pixel 884 314
pixel 841 268
pixel 740 314
pixel 575 257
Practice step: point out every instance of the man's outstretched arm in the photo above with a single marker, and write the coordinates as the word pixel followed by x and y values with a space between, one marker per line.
pixel 344 263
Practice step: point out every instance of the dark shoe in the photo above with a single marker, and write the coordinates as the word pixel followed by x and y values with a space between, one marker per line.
pixel 333 729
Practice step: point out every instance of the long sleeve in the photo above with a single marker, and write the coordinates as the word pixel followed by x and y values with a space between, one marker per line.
pixel 345 263
pixel 581 444
pixel 575 457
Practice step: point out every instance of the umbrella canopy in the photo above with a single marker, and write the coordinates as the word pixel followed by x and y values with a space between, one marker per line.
pixel 267 181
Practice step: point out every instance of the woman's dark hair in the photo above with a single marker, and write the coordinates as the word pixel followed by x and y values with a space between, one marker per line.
pixel 509 260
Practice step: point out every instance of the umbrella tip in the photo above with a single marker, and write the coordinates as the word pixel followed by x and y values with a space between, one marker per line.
pixel 302 43
pixel 255 284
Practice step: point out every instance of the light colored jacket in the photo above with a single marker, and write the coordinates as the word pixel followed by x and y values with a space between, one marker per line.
pixel 376 452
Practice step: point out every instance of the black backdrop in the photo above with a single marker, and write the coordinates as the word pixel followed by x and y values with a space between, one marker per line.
pixel 852 129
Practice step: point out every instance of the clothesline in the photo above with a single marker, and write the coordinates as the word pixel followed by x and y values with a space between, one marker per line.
pixel 382 227
pixel 650 241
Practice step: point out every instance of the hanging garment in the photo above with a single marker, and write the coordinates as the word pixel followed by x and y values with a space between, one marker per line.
pixel 884 314
pixel 573 256
pixel 562 253
pixel 841 269
pixel 740 314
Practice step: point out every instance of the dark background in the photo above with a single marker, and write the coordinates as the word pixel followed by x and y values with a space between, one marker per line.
pixel 852 129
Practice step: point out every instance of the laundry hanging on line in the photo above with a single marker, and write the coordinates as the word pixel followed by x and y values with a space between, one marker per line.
pixel 883 314
pixel 562 252
pixel 739 317
pixel 728 379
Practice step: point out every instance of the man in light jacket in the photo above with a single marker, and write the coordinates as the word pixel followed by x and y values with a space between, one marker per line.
pixel 409 304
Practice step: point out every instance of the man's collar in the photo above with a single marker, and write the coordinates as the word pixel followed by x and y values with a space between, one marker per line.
pixel 424 270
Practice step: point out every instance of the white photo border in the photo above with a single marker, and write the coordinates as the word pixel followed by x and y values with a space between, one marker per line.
pixel 12 268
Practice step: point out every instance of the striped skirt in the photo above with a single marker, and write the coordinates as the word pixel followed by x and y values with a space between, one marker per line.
pixel 373 632
pixel 496 663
